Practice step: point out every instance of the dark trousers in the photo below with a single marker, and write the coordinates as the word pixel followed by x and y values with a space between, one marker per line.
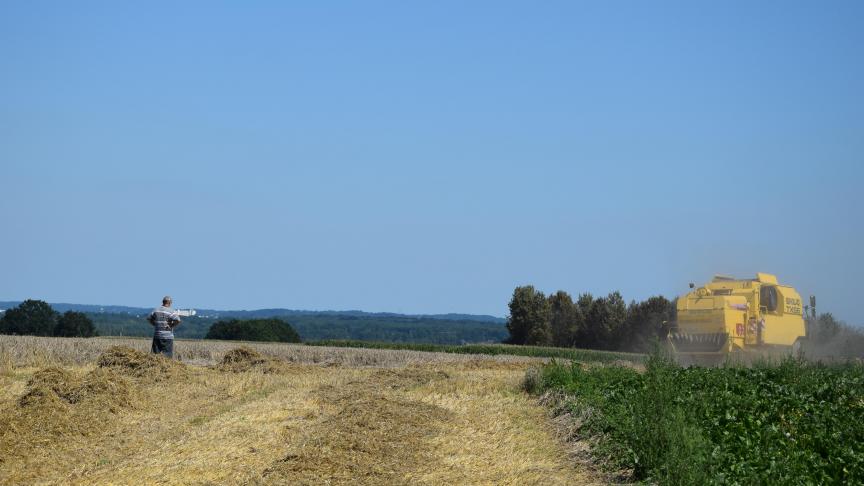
pixel 163 346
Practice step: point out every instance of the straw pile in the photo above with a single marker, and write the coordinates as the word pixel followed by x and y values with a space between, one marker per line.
pixel 52 386
pixel 59 405
pixel 142 366
pixel 244 359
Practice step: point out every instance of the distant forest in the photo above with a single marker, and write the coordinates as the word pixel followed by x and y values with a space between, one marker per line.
pixel 318 326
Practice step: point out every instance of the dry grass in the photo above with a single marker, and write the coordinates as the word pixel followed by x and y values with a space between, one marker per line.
pixel 44 351
pixel 7 364
pixel 367 432
pixel 459 421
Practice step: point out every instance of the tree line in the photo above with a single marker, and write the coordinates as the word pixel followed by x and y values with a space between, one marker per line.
pixel 589 322
pixel 38 318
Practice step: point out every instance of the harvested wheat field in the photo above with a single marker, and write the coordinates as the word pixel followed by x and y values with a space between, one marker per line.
pixel 248 415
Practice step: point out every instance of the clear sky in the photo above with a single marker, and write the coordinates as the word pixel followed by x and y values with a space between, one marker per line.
pixel 427 157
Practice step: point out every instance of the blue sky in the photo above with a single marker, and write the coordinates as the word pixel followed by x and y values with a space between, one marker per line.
pixel 427 158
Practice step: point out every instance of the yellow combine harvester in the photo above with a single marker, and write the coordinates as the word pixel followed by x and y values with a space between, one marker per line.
pixel 737 318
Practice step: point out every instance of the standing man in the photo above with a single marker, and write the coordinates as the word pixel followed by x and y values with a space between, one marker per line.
pixel 164 319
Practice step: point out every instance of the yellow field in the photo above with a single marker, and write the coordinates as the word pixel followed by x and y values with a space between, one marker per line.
pixel 334 416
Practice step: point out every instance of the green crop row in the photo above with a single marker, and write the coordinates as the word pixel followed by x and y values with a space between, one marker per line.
pixel 584 355
pixel 788 423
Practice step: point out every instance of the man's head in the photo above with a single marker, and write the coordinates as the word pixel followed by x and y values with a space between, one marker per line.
pixel 166 301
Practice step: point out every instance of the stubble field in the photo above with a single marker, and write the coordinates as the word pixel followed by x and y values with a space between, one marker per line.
pixel 100 411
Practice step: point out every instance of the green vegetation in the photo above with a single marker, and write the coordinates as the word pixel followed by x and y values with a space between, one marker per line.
pixel 792 423
pixel 585 355
pixel 37 318
pixel 592 323
pixel 253 330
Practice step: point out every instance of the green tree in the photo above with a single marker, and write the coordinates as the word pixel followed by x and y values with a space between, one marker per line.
pixel 541 334
pixel 584 304
pixel 646 322
pixel 604 322
pixel 528 322
pixel 253 330
pixel 565 319
pixel 583 337
pixel 74 324
pixel 31 317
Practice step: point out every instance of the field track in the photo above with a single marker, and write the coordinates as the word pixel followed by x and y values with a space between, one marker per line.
pixel 293 415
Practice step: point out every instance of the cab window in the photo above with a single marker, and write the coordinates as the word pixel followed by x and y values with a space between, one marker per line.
pixel 768 298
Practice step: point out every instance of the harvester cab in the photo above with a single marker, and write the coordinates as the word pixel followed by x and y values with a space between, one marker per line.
pixel 731 316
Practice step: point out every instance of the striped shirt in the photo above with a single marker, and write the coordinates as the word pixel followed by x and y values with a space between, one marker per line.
pixel 164 320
